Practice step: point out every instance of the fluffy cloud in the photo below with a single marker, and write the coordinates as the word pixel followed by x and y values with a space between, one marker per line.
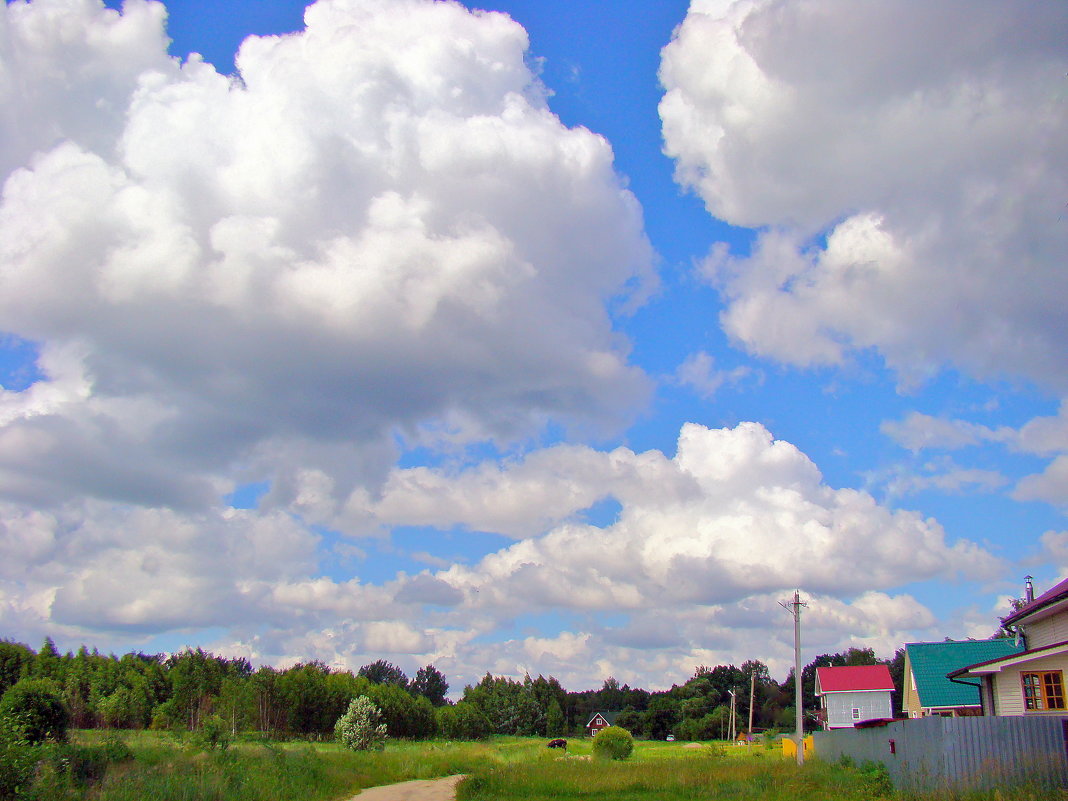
pixel 141 570
pixel 754 516
pixel 1042 436
pixel 377 227
pixel 909 171
pixel 920 431
pixel 705 545
pixel 699 373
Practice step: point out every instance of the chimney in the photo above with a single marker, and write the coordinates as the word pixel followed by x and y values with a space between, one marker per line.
pixel 1029 590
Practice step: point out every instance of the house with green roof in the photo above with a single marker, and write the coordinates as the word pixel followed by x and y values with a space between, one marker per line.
pixel 928 689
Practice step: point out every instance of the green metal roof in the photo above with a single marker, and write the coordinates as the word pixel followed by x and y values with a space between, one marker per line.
pixel 931 661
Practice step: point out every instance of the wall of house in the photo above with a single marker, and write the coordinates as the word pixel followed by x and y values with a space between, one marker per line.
pixel 1052 630
pixel 872 704
pixel 910 701
pixel 1008 687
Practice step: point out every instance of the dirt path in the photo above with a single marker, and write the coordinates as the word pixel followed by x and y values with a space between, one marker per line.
pixel 420 790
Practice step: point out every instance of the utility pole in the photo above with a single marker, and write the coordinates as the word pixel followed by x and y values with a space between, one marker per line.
pixel 794 608
pixel 733 732
pixel 752 686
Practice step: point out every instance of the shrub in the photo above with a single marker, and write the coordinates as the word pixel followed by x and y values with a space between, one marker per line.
pixel 115 749
pixel 406 716
pixel 213 734
pixel 35 711
pixel 877 778
pixel 17 761
pixel 463 721
pixel 613 742
pixel 359 728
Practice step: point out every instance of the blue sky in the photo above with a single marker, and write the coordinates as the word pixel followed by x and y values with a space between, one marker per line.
pixel 408 343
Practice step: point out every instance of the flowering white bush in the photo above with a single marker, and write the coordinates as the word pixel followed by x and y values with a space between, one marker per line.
pixel 360 728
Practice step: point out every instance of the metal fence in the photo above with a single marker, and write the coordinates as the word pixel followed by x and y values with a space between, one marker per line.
pixel 959 753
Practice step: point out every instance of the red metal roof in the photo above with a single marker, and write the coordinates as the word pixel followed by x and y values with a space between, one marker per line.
pixel 853 678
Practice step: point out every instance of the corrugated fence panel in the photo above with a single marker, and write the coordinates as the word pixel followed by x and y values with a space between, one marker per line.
pixel 930 753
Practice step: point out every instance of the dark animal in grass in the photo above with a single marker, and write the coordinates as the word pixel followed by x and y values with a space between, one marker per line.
pixel 558 744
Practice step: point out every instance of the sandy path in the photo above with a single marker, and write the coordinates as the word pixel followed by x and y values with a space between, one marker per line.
pixel 419 790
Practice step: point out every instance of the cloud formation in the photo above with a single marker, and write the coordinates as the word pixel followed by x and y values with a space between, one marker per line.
pixel 705 544
pixel 908 169
pixel 375 228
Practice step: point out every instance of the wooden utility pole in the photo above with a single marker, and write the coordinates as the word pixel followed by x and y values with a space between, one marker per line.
pixel 794 608
pixel 752 686
pixel 734 734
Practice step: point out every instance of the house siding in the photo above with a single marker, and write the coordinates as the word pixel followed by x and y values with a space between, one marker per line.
pixel 871 703
pixel 1008 686
pixel 1052 630
pixel 910 701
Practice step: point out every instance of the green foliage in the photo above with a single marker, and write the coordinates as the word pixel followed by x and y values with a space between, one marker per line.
pixel 17 760
pixel 405 716
pixel 35 711
pixel 674 776
pixel 115 749
pixel 877 779
pixel 554 720
pixel 360 728
pixel 430 683
pixel 463 721
pixel 180 691
pixel 383 672
pixel 511 706
pixel 613 742
pixel 16 662
pixel 214 734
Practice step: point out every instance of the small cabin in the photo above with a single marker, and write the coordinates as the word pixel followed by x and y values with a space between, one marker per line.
pixel 600 720
pixel 854 693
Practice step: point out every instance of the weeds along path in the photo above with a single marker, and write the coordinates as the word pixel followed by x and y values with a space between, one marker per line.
pixel 419 790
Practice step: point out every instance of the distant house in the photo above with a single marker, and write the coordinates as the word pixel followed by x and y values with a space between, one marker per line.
pixel 929 690
pixel 1029 681
pixel 600 720
pixel 849 695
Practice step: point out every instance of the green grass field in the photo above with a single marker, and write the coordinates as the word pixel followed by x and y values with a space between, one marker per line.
pixel 167 768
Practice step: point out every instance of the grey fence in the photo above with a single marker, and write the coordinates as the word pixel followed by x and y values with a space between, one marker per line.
pixel 961 753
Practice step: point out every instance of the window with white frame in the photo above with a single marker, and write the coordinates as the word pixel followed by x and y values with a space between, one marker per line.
pixel 856 713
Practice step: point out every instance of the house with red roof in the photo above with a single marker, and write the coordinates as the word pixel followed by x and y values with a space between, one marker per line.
pixel 852 694
pixel 1031 681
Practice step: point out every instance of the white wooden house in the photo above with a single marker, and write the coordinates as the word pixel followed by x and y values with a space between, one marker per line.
pixel 850 695
pixel 1030 682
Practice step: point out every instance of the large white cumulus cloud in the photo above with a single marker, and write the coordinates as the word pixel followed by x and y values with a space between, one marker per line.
pixel 705 543
pixel 378 226
pixel 704 546
pixel 733 514
pixel 909 167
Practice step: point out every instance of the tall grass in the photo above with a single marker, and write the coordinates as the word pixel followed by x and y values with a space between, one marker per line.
pixel 165 768
pixel 685 778
pixel 669 773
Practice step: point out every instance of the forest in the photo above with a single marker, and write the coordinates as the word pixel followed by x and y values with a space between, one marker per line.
pixel 190 689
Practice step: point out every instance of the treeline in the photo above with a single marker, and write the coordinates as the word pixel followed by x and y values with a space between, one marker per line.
pixel 185 690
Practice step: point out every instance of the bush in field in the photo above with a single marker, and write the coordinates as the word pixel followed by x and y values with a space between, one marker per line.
pixel 406 716
pixel 213 734
pixel 613 742
pixel 463 721
pixel 17 762
pixel 35 711
pixel 359 728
